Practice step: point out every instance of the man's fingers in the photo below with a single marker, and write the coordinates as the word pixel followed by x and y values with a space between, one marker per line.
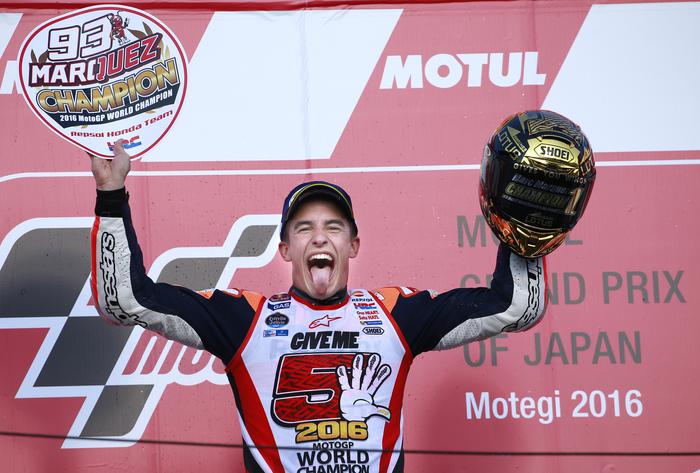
pixel 119 147
pixel 98 166
pixel 121 164
pixel 120 155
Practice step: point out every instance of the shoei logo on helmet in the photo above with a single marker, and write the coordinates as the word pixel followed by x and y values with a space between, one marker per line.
pixel 100 73
pixel 553 151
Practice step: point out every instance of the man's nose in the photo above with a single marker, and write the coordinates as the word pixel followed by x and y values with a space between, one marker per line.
pixel 319 237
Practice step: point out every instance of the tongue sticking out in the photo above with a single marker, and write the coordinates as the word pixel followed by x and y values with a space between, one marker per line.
pixel 321 277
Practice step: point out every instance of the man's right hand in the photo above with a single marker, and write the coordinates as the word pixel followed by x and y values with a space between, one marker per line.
pixel 110 174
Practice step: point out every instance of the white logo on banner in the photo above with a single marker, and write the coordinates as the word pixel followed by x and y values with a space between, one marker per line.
pixel 447 70
pixel 276 85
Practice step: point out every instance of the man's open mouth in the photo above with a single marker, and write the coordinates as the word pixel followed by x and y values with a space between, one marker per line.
pixel 321 266
pixel 320 260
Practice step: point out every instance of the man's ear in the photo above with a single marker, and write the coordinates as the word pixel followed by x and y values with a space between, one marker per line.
pixel 354 247
pixel 283 249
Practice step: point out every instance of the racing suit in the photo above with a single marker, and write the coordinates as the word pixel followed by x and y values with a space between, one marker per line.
pixel 325 376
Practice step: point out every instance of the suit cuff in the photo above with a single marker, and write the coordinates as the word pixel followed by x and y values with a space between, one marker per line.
pixel 111 203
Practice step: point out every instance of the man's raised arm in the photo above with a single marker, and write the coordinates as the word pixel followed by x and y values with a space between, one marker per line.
pixel 515 302
pixel 125 295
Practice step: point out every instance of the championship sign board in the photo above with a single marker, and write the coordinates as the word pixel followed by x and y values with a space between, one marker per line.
pixel 104 73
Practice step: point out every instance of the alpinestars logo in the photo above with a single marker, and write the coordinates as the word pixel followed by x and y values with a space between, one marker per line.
pixel 110 281
pixel 324 321
pixel 45 283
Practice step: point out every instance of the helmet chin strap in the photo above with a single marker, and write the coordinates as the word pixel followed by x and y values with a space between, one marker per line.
pixel 336 298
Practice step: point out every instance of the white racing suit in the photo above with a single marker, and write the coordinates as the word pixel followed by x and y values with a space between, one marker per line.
pixel 326 380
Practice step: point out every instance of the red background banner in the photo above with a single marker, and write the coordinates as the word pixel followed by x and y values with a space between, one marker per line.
pixel 394 102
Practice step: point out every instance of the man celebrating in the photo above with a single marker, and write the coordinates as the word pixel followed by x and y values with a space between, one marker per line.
pixel 320 367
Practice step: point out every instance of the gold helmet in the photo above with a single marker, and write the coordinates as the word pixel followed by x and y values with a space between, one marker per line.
pixel 537 174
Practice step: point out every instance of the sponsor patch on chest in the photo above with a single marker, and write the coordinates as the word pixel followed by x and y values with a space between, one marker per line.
pixel 275 333
pixel 279 305
pixel 276 320
pixel 373 330
pixel 324 340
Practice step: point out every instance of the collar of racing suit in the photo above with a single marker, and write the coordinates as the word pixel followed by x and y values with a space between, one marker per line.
pixel 336 298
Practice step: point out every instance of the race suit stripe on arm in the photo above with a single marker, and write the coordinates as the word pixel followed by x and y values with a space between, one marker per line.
pixel 515 302
pixel 125 295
